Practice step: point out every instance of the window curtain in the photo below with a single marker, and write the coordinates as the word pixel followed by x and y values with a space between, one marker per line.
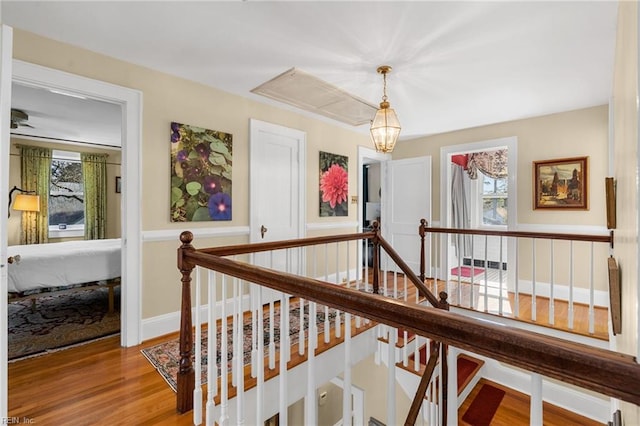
pixel 35 176
pixel 460 211
pixel 94 176
pixel 491 163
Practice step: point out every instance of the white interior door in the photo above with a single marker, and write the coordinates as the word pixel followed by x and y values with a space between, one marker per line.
pixel 277 193
pixel 6 47
pixel 406 198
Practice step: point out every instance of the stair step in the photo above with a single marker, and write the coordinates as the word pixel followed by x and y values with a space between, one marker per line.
pixel 467 366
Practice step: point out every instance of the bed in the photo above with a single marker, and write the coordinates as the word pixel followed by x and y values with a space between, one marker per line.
pixel 40 267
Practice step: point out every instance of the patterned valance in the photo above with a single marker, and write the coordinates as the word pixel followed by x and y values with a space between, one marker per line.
pixel 490 163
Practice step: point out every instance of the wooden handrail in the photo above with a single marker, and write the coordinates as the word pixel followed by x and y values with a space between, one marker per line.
pixel 284 244
pixel 599 370
pixel 521 234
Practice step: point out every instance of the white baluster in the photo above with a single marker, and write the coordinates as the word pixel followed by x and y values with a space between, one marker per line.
pixel 536 400
pixel 533 281
pixel 346 387
pixel 272 343
pixel 234 341
pixel 516 308
pixel 571 312
pixel 592 314
pixel 282 377
pixel 310 404
pixel 391 377
pixel 486 273
pixel 260 370
pixel 551 287
pixel 301 332
pixel 224 368
pixel 239 373
pixel 452 389
pixel 212 365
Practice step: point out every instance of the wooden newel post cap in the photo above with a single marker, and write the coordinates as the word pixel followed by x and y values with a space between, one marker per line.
pixel 443 300
pixel 186 238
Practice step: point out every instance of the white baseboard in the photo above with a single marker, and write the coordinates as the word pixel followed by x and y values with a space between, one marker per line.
pixel 561 292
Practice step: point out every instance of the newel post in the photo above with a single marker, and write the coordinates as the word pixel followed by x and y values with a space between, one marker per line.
pixel 422 230
pixel 376 257
pixel 186 374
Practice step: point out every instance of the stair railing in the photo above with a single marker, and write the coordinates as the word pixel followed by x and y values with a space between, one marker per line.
pixel 565 269
pixel 188 380
pixel 596 369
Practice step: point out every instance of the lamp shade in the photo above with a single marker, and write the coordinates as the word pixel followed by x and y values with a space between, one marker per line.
pixel 385 128
pixel 28 203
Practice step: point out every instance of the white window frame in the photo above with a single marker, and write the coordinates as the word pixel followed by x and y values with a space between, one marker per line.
pixel 477 205
pixel 71 231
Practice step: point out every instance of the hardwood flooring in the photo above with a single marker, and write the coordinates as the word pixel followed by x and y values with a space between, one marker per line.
pixel 514 410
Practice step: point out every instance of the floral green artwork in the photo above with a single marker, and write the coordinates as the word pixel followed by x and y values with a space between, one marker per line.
pixel 334 184
pixel 201 162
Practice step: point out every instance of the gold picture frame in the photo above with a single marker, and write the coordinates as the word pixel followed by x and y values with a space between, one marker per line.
pixel 561 184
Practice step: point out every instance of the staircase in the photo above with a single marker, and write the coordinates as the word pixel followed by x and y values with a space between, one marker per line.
pixel 480 401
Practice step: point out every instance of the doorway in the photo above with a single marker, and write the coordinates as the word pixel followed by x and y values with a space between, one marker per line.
pixel 486 202
pixel 277 164
pixel 130 102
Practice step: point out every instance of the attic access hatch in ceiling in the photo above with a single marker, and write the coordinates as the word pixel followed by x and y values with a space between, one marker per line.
pixel 309 93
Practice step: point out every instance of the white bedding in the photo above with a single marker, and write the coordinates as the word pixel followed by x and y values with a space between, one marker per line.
pixel 62 264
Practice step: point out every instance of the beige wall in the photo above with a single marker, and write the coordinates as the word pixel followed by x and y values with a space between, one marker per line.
pixel 113 200
pixel 165 99
pixel 626 175
pixel 570 134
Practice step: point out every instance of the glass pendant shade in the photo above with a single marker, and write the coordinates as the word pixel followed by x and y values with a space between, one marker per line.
pixel 385 128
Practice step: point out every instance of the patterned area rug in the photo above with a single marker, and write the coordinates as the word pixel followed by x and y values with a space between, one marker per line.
pixel 60 320
pixel 165 357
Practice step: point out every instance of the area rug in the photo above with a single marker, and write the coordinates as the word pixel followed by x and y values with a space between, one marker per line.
pixel 484 406
pixel 60 320
pixel 165 357
pixel 466 271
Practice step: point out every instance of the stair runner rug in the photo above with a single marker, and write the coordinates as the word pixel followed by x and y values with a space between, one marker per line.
pixel 466 271
pixel 165 357
pixel 60 320
pixel 484 406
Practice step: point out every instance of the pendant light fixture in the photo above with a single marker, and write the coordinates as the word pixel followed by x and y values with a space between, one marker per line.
pixel 385 127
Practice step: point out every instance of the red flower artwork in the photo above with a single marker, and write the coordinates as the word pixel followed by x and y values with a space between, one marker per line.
pixel 334 185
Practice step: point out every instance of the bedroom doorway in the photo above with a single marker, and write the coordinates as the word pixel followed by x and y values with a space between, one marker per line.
pixel 129 102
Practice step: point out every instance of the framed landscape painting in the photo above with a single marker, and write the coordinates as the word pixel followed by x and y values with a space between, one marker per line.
pixel 561 184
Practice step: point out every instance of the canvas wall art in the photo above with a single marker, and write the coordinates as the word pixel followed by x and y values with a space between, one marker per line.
pixel 334 184
pixel 201 164
pixel 561 184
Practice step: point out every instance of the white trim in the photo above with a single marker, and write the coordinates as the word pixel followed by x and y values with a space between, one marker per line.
pixel 6 40
pixel 131 103
pixel 174 234
pixel 561 292
pixel 322 226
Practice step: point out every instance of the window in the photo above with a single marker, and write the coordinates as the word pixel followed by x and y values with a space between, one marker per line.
pixel 493 198
pixel 66 195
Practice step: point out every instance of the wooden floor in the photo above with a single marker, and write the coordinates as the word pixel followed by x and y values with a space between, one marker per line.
pixel 559 319
pixel 102 383
pixel 514 410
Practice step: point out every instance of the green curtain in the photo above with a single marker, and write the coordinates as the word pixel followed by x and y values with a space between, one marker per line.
pixel 94 176
pixel 36 171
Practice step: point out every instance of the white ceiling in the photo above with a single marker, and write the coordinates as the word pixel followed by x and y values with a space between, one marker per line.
pixel 455 64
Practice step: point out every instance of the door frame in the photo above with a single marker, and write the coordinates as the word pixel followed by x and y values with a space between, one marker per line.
pixel 6 47
pixel 511 143
pixel 130 101
pixel 367 156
